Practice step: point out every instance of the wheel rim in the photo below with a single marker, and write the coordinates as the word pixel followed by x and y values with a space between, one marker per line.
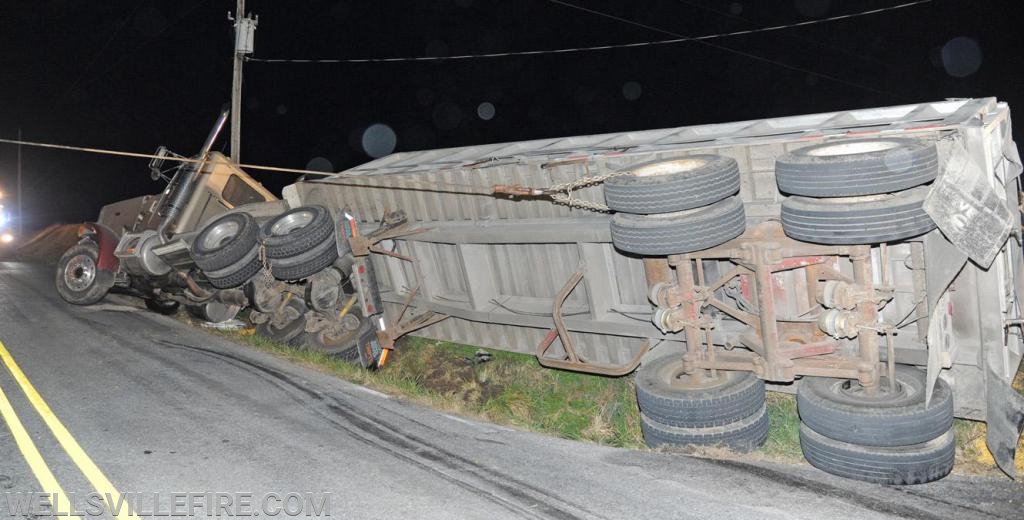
pixel 80 272
pixel 290 222
pixel 853 148
pixel 852 392
pixel 669 167
pixel 221 234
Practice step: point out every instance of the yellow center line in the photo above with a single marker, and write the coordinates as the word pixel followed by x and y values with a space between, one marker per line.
pixel 70 445
pixel 30 451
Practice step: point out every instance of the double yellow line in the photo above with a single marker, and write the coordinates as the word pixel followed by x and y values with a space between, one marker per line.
pixel 35 459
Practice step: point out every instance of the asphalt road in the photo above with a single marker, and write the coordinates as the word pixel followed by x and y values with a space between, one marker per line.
pixel 164 408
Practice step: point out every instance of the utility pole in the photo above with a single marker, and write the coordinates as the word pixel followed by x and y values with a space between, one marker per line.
pixel 21 215
pixel 245 32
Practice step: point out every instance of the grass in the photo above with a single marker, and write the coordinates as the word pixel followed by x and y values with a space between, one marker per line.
pixel 503 390
pixel 514 390
pixel 784 428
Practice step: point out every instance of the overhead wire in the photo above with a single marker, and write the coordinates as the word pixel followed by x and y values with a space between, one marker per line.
pixel 568 50
pixel 125 55
pixel 737 51
pixel 347 179
pixel 89 66
pixel 764 27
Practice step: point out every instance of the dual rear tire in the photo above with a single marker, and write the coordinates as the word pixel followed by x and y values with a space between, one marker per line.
pixel 860 191
pixel 890 437
pixel 300 242
pixel 676 206
pixel 227 250
pixel 696 409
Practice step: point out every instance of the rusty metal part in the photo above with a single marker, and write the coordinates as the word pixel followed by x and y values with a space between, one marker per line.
pixel 516 190
pixel 775 367
pixel 572 360
pixel 840 324
pixel 387 337
pixel 381 251
pixel 363 245
pixel 868 315
pixel 669 294
pixel 657 270
pixel 836 294
pixel 779 350
pixel 688 314
pixel 199 294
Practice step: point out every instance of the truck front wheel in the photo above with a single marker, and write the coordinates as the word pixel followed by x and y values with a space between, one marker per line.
pixel 79 281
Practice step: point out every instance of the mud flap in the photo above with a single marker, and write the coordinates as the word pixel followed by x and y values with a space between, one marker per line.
pixel 967 207
pixel 1005 420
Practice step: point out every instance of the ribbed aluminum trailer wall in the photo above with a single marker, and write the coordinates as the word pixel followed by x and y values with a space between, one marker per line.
pixel 495 264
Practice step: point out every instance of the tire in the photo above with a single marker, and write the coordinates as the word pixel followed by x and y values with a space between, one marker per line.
pixel 680 232
pixel 857 167
pixel 306 264
pixel 827 407
pixel 667 186
pixel 238 273
pixel 736 395
pixel 296 231
pixel 225 241
pixel 741 436
pixel 898 465
pixel 844 221
pixel 78 279
pixel 293 328
pixel 345 347
pixel 165 307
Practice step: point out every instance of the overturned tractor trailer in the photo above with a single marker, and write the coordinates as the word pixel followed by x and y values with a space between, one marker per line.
pixel 868 261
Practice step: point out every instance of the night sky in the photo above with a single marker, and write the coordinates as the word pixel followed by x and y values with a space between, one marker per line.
pixel 132 75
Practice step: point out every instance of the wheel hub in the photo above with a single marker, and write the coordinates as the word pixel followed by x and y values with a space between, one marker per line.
pixel 221 234
pixel 674 376
pixel 669 167
pixel 884 393
pixel 80 272
pixel 289 223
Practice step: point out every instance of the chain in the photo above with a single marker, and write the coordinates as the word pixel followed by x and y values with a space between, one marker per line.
pixel 268 278
pixel 555 192
pixel 583 182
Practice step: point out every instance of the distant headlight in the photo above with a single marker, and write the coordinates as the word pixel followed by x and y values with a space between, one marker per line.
pixel 7 238
pixel 3 219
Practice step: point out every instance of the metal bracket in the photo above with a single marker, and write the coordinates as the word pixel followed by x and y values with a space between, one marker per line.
pixel 572 360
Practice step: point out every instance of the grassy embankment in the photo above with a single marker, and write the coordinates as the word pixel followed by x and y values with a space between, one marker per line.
pixel 513 389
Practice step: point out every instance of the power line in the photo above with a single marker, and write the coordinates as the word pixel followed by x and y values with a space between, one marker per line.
pixel 126 54
pixel 743 53
pixel 89 67
pixel 763 25
pixel 348 179
pixel 678 39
